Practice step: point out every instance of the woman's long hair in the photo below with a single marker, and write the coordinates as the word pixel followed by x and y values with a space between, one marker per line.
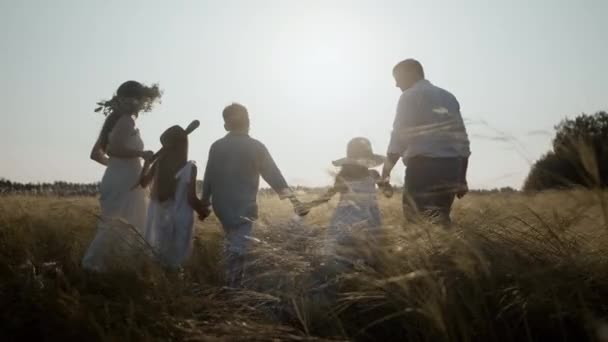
pixel 131 97
pixel 173 157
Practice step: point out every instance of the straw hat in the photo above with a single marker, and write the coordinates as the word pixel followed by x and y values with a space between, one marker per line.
pixel 174 135
pixel 359 152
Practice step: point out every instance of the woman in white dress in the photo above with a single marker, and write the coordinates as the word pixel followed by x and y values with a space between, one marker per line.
pixel 119 147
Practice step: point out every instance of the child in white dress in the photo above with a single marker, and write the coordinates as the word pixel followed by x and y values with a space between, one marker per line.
pixel 170 221
pixel 357 211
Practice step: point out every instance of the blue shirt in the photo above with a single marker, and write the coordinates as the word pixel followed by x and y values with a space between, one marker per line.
pixel 232 178
pixel 428 123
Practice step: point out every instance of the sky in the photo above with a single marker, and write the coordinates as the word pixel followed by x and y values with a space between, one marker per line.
pixel 313 74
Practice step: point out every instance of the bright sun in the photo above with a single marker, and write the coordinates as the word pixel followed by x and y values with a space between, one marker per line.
pixel 320 52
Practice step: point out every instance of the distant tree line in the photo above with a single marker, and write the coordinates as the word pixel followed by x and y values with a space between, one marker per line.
pixel 579 157
pixel 8 187
pixel 59 188
pixel 503 190
pixel 64 189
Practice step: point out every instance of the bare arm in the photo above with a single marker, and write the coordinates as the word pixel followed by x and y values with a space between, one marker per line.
pixel 147 174
pixel 207 189
pixel 339 186
pixel 200 206
pixel 193 200
pixel 326 197
pixel 98 154
pixel 121 132
pixel 389 164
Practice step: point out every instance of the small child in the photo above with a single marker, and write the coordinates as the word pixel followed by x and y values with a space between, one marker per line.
pixel 357 210
pixel 170 220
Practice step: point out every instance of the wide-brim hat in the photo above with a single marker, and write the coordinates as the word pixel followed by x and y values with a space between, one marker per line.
pixel 359 152
pixel 174 135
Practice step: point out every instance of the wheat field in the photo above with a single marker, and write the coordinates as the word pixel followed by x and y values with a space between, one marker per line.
pixel 515 267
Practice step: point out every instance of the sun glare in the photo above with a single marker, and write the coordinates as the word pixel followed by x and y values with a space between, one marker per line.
pixel 319 52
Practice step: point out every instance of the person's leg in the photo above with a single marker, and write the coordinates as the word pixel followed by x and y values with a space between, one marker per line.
pixel 412 200
pixel 446 207
pixel 437 205
pixel 234 269
pixel 410 208
pixel 447 174
pixel 235 252
pixel 430 183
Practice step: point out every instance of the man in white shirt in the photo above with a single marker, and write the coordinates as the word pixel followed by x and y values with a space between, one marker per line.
pixel 430 137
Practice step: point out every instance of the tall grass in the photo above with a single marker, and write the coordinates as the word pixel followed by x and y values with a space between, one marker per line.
pixel 514 267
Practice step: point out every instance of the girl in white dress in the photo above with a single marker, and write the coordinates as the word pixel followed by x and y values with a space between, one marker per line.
pixel 170 221
pixel 357 211
pixel 120 148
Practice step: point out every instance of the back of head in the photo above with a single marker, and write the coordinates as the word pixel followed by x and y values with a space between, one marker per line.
pixel 408 72
pixel 131 89
pixel 173 157
pixel 174 136
pixel 409 65
pixel 236 118
pixel 131 97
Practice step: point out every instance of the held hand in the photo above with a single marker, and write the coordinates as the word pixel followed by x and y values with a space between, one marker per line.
pixel 300 208
pixel 462 190
pixel 387 188
pixel 147 155
pixel 142 175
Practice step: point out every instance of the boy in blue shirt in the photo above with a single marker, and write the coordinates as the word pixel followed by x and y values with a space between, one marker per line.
pixel 231 183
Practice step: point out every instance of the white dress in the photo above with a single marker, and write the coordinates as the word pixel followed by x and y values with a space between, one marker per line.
pixel 170 224
pixel 357 212
pixel 123 209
